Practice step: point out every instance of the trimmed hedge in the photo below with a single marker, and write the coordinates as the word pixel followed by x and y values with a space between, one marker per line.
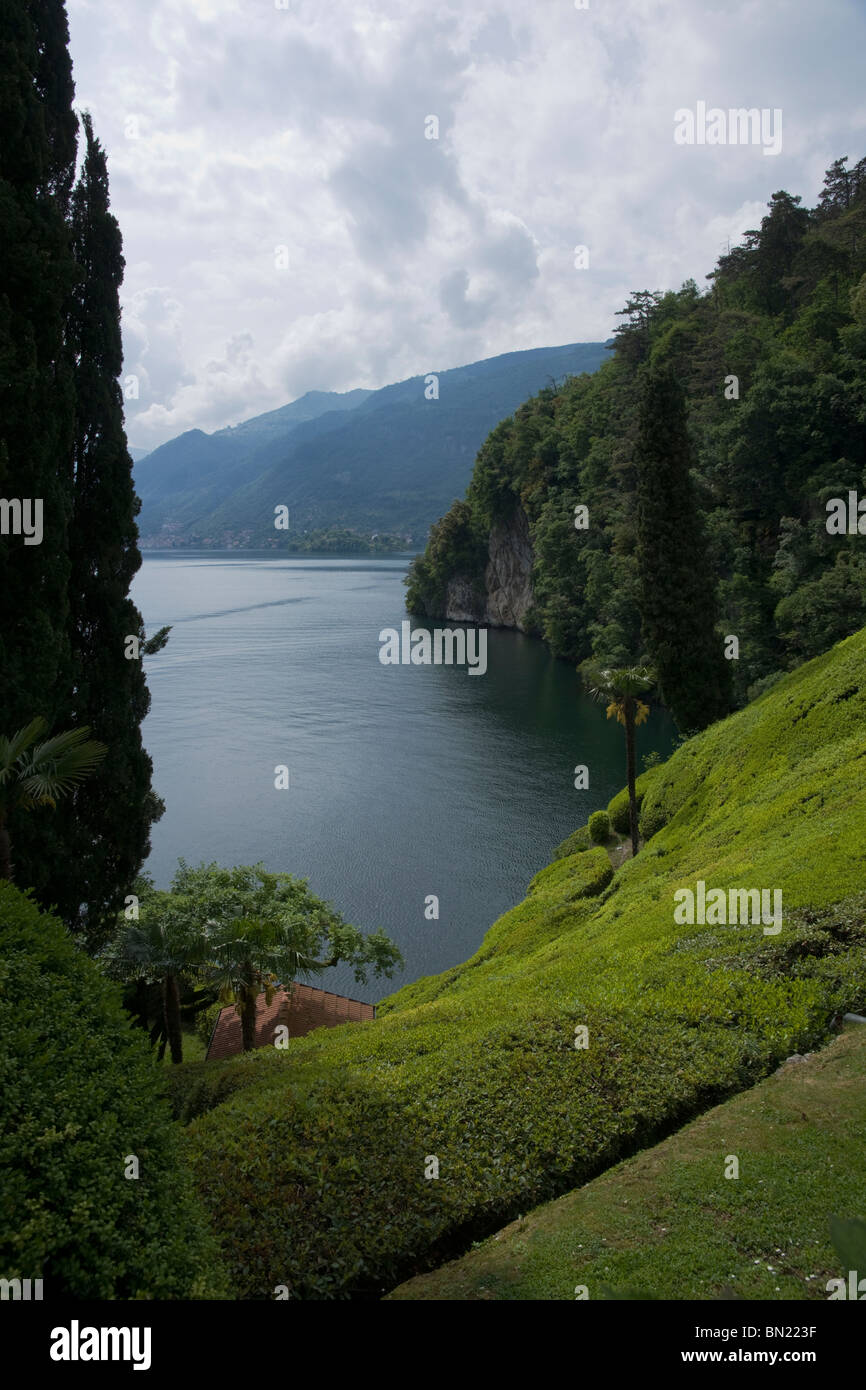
pixel 652 820
pixel 599 827
pixel 197 1087
pixel 583 875
pixel 81 1092
pixel 477 1067
pixel 577 841
pixel 617 807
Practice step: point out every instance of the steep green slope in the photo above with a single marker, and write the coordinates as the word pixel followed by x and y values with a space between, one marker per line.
pixel 669 1224
pixel 314 1162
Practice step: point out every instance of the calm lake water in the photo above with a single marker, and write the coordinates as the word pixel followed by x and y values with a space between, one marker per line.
pixel 404 781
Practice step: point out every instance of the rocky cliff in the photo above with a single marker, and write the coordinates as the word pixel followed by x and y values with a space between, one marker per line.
pixel 508 593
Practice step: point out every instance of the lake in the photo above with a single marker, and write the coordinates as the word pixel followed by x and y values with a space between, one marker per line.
pixel 404 781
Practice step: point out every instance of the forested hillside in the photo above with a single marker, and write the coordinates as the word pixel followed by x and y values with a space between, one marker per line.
pixel 772 357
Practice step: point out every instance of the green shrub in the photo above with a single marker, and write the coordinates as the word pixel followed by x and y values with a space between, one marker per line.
pixel 330 1153
pixel 760 687
pixel 651 821
pixel 577 841
pixel 599 827
pixel 198 1087
pixel 618 811
pixel 81 1093
pixel 205 1022
pixel 589 875
pixel 582 875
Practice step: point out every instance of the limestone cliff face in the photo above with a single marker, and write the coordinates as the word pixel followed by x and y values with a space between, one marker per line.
pixel 508 577
pixel 462 604
pixel 507 580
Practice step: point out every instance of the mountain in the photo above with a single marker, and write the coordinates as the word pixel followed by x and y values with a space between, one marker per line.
pixel 390 460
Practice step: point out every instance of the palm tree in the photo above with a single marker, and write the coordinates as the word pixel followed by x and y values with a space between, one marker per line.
pixel 244 930
pixel 165 946
pixel 256 954
pixel 38 774
pixel 621 688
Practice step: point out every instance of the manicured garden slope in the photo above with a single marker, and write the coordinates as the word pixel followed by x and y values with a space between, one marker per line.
pixel 668 1223
pixel 313 1160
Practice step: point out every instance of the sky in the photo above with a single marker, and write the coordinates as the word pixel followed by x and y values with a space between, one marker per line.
pixel 290 224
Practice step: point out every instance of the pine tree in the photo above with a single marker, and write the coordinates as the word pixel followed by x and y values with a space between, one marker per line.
pixel 106 829
pixel 37 165
pixel 633 337
pixel 837 191
pixel 676 595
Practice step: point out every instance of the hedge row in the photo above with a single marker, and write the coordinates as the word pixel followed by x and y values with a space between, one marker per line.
pixel 81 1097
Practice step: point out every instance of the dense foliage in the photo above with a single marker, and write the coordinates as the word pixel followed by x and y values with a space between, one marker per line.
pixel 108 689
pixel 235 932
pixel 676 598
pixel 785 314
pixel 80 1096
pixel 37 395
pixel 65 612
pixel 315 1166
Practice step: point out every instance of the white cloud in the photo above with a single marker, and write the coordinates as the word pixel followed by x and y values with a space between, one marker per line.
pixel 304 127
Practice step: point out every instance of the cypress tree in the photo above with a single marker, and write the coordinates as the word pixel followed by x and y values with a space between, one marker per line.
pixel 105 830
pixel 65 612
pixel 37 166
pixel 676 594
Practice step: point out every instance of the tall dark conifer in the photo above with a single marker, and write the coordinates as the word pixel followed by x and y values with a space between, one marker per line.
pixel 676 592
pixel 37 167
pixel 106 829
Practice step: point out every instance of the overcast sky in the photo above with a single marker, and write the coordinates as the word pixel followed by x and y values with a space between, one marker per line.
pixel 304 127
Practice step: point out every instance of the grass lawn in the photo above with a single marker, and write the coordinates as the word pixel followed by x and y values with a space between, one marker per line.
pixel 667 1223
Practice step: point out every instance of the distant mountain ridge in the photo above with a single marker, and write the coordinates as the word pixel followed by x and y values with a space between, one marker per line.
pixel 389 461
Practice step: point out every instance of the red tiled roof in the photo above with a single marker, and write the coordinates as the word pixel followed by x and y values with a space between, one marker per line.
pixel 307 1009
